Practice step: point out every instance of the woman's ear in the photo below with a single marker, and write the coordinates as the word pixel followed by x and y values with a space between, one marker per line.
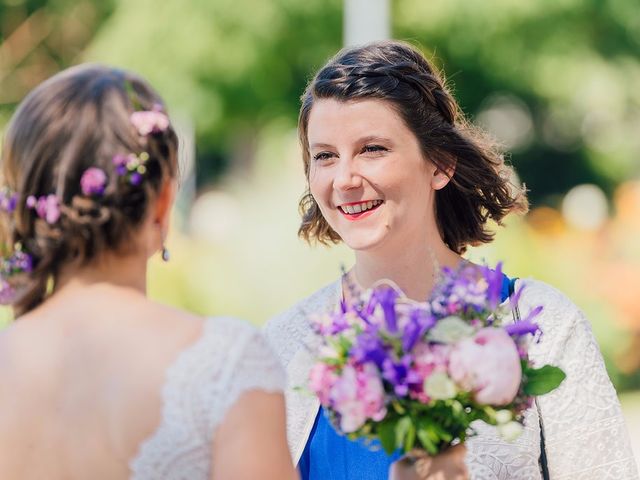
pixel 442 177
pixel 164 202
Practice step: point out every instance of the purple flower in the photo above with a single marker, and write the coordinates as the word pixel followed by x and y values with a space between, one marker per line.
pixel 386 298
pixel 147 122
pixel 19 262
pixel 119 160
pixel 93 181
pixel 400 375
pixel 522 327
pixel 494 291
pixel 31 201
pixel 7 292
pixel 8 201
pixel 420 321
pixel 135 179
pixel 368 347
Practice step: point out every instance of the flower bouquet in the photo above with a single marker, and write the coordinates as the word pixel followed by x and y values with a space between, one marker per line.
pixel 417 374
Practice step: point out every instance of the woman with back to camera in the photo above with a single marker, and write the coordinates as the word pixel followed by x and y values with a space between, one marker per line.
pixel 96 380
pixel 396 172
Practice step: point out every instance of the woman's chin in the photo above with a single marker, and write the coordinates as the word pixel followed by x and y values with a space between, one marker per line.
pixel 363 242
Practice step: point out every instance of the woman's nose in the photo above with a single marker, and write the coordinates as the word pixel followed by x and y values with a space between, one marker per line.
pixel 347 176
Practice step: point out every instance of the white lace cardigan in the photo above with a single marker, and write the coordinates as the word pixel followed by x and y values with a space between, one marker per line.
pixel 585 434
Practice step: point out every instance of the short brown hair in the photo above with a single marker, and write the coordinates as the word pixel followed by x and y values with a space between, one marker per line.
pixel 397 73
pixel 79 118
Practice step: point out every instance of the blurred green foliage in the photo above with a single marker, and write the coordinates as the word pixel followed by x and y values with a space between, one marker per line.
pixel 575 65
pixel 569 67
pixel 235 66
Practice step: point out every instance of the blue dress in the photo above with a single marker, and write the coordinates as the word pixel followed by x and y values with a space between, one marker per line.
pixel 331 456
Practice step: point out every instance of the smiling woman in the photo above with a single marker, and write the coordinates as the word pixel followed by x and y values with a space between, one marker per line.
pixel 362 152
pixel 396 172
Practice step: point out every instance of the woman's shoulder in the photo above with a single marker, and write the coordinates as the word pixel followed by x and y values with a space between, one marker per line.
pixel 560 319
pixel 555 304
pixel 536 292
pixel 287 331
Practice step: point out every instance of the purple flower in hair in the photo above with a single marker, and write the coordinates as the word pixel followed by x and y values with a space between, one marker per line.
pixel 135 179
pixel 8 200
pixel 93 181
pixel 19 262
pixel 120 162
pixel 7 292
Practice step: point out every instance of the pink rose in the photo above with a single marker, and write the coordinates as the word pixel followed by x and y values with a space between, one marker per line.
pixel 371 392
pixel 321 380
pixel 489 365
pixel 358 395
pixel 428 359
pixel 344 397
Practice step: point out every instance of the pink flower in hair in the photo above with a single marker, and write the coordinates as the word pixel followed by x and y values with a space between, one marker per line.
pixel 47 207
pixel 93 181
pixel 149 121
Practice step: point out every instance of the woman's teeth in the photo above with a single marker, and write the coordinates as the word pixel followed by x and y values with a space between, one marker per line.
pixel 360 207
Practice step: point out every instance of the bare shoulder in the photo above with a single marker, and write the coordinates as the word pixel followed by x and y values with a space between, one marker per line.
pixel 170 320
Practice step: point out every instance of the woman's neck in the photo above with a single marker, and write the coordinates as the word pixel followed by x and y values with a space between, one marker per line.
pixel 128 272
pixel 413 268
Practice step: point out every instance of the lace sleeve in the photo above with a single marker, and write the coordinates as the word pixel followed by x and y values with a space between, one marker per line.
pixel 585 434
pixel 255 367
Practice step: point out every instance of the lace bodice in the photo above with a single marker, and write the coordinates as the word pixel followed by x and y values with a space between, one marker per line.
pixel 230 358
pixel 585 434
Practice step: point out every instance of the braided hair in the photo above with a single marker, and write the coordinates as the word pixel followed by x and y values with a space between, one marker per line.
pixel 395 72
pixel 77 120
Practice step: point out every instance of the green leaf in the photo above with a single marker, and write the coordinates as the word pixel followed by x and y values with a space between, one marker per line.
pixel 425 439
pixel 543 380
pixel 387 435
pixel 410 439
pixel 334 362
pixel 402 429
pixel 400 410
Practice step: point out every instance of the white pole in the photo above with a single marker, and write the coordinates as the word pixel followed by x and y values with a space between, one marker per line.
pixel 366 21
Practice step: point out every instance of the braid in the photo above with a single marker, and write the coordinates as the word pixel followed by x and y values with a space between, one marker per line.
pixel 86 153
pixel 354 79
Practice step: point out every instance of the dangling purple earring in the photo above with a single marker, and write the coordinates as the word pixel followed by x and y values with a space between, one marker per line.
pixel 165 254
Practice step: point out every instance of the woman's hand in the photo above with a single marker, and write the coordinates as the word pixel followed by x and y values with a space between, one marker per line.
pixel 448 465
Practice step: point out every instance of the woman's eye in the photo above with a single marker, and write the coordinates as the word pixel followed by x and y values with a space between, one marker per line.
pixel 374 149
pixel 322 156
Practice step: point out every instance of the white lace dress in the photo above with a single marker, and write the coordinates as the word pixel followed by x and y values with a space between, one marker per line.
pixel 585 434
pixel 230 358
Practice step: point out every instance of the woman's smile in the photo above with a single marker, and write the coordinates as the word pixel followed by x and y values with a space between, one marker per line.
pixel 359 210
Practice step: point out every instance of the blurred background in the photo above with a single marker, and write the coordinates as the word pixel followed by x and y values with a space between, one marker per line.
pixel 556 81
